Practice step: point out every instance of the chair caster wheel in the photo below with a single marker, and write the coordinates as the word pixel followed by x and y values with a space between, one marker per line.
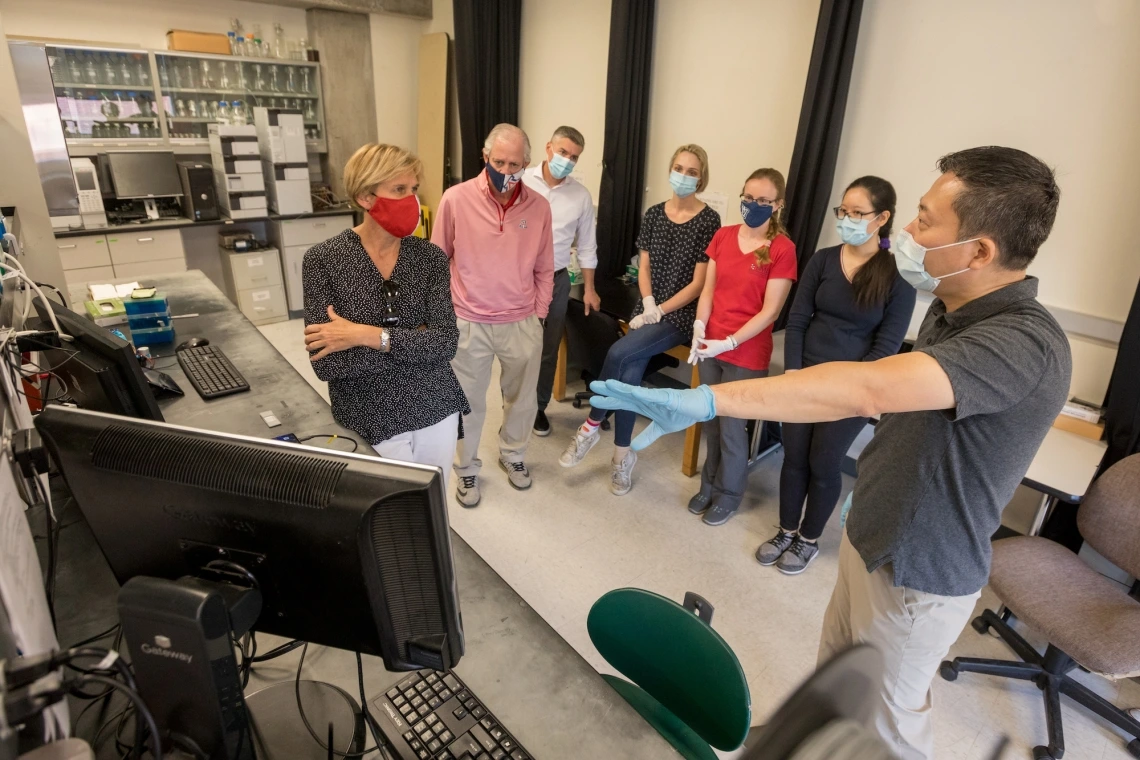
pixel 948 671
pixel 1134 747
pixel 577 403
pixel 1042 753
pixel 981 625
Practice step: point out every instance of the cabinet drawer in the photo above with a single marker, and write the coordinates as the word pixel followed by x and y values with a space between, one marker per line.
pixel 255 270
pixel 148 268
pixel 308 232
pixel 263 304
pixel 84 252
pixel 145 246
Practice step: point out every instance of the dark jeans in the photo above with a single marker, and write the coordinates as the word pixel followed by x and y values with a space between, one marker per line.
pixel 627 360
pixel 725 474
pixel 813 455
pixel 552 336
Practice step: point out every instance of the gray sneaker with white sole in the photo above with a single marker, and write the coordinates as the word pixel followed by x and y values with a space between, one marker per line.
pixel 621 479
pixel 517 473
pixel 771 550
pixel 798 556
pixel 579 447
pixel 467 491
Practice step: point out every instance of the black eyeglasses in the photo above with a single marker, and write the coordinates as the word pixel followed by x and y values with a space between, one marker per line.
pixel 858 216
pixel 390 290
pixel 762 201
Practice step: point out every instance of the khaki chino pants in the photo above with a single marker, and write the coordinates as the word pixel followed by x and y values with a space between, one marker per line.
pixel 518 347
pixel 912 629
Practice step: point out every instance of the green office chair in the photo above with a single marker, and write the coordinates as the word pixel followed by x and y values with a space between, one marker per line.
pixel 687 681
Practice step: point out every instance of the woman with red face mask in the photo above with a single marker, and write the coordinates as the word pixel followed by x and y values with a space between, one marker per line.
pixel 379 324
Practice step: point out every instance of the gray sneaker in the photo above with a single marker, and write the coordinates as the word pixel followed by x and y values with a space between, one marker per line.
pixel 772 549
pixel 517 473
pixel 699 503
pixel 621 480
pixel 718 514
pixel 798 556
pixel 579 447
pixel 467 491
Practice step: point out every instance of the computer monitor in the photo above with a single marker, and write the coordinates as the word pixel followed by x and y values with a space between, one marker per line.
pixel 144 174
pixel 347 551
pixel 99 368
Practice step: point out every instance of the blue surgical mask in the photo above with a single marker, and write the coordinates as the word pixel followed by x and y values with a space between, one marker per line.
pixel 853 232
pixel 755 214
pixel 502 182
pixel 910 259
pixel 683 184
pixel 560 166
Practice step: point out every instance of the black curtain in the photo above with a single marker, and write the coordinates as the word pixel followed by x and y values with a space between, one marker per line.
pixel 821 124
pixel 487 37
pixel 627 117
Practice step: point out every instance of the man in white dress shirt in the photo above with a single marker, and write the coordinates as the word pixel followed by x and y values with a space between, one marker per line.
pixel 572 216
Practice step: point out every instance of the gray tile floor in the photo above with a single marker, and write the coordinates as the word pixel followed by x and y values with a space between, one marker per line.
pixel 567 540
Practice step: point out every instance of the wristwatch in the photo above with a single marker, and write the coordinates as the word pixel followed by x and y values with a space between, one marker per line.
pixel 732 340
pixel 385 340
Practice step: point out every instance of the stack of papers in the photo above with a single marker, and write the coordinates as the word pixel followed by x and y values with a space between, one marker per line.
pixel 107 292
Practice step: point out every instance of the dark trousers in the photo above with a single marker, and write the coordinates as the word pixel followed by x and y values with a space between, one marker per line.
pixel 813 455
pixel 725 474
pixel 552 336
pixel 626 361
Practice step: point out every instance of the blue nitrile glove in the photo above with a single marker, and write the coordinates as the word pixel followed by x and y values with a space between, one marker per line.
pixel 670 410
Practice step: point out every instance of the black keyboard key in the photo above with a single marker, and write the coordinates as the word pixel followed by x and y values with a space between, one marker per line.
pixel 416 745
pixel 498 754
pixel 518 754
pixel 435 702
pixel 409 737
pixel 508 744
pixel 464 696
pixel 432 679
pixel 420 727
pixel 423 754
pixel 451 681
pixel 470 704
pixel 446 737
pixel 392 693
pixel 497 733
pixel 399 702
pixel 422 686
pixel 423 711
pixel 417 701
pixel 478 712
pixel 483 756
pixel 434 746
pixel 445 755
pixel 465 745
pixel 445 695
pixel 459 713
pixel 480 734
pixel 431 720
pixel 488 724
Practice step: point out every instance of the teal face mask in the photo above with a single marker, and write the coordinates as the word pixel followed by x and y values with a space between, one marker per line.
pixel 853 232
pixel 560 166
pixel 683 185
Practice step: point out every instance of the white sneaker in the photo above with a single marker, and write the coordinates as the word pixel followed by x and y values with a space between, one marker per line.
pixel 579 447
pixel 517 474
pixel 621 479
pixel 467 491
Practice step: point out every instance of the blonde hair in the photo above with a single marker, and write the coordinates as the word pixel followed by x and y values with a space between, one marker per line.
pixel 374 164
pixel 702 157
pixel 776 224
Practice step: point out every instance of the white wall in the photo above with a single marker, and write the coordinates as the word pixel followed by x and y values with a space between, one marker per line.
pixel 142 23
pixel 1039 75
pixel 562 77
pixel 728 76
pixel 395 71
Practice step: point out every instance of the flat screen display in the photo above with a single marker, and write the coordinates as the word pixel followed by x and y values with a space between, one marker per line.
pixel 144 174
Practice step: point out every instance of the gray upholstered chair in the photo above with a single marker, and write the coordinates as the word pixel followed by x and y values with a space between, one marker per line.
pixel 1087 619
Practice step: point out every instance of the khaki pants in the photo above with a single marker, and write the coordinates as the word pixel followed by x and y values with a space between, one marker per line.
pixel 518 347
pixel 912 629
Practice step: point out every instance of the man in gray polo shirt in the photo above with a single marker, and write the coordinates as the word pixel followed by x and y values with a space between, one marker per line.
pixel 962 417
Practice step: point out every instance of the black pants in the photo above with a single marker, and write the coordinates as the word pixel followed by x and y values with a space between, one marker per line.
pixel 813 455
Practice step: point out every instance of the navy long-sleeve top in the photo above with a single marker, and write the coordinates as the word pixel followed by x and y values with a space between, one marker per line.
pixel 827 325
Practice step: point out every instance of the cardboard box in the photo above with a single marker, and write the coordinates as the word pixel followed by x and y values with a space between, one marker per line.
pixel 197 42
pixel 1080 427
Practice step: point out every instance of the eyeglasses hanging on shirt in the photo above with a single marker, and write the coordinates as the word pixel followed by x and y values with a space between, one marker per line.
pixel 390 291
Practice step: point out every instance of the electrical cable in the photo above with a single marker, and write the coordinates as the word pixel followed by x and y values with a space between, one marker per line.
pixel 19 270
pixel 305 720
pixel 279 651
pixel 377 736
pixel 332 437
pixel 96 637
pixel 140 708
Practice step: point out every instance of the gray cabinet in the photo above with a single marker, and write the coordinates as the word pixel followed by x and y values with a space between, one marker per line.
pixel 254 283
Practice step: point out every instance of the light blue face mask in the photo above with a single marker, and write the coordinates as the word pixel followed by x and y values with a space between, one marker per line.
pixel 560 166
pixel 683 185
pixel 853 232
pixel 910 259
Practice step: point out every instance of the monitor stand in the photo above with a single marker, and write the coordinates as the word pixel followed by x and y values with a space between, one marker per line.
pixel 151 208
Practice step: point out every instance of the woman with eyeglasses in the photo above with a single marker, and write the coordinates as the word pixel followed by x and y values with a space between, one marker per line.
pixel 379 324
pixel 751 270
pixel 851 306
pixel 673 239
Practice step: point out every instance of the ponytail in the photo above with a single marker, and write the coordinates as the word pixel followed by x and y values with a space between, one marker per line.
pixel 776 223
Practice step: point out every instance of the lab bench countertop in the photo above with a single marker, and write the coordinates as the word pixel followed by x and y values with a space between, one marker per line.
pixel 178 222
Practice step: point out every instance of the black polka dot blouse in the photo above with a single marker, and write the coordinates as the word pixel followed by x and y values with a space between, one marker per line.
pixel 674 252
pixel 380 395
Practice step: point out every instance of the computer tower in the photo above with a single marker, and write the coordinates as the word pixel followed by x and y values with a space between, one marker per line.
pixel 199 198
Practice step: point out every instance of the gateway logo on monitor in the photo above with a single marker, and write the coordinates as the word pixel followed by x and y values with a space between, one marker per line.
pixel 162 648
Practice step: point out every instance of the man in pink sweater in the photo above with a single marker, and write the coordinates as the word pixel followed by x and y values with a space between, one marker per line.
pixel 498 236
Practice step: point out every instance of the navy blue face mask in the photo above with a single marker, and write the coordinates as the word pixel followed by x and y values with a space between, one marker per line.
pixel 755 214
pixel 502 182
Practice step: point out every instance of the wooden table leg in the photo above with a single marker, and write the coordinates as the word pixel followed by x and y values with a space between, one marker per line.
pixel 559 391
pixel 692 450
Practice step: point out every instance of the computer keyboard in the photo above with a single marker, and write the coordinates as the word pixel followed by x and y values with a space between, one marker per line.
pixel 434 716
pixel 210 372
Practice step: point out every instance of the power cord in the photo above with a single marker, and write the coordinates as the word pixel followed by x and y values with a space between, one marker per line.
pixel 300 709
pixel 332 437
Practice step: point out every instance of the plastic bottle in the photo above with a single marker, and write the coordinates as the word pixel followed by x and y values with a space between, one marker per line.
pixel 238 115
pixel 90 75
pixel 225 116
pixel 109 75
pixel 125 75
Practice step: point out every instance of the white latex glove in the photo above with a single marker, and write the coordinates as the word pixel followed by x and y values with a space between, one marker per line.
pixel 710 348
pixel 652 311
pixel 698 336
pixel 636 322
